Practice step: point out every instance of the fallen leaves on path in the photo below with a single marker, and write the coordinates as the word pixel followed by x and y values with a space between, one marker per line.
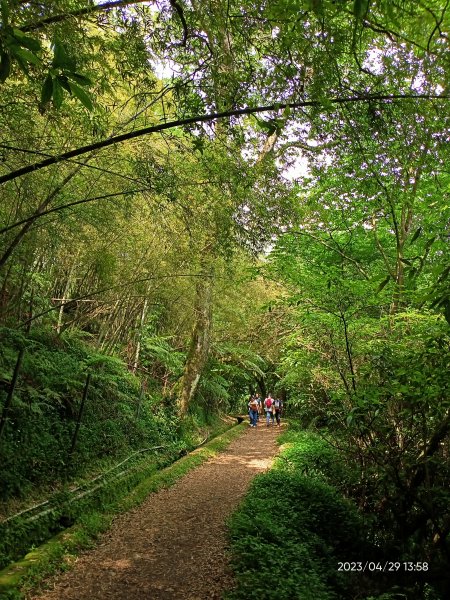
pixel 173 546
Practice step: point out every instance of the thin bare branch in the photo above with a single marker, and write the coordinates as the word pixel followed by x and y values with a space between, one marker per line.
pixel 87 10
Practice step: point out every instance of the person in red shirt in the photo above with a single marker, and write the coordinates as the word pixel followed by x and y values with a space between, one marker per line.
pixel 268 407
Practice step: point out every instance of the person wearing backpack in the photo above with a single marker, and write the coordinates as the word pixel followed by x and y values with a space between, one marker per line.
pixel 268 407
pixel 277 406
pixel 253 411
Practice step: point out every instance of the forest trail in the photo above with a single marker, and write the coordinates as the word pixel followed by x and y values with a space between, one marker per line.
pixel 173 546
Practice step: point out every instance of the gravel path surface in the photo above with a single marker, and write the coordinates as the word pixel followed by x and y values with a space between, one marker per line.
pixel 173 546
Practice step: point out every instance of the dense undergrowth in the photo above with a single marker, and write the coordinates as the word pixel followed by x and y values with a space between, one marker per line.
pixel 37 445
pixel 298 535
pixel 49 447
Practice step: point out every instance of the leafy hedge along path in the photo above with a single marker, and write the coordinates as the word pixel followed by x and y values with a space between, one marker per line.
pixel 173 546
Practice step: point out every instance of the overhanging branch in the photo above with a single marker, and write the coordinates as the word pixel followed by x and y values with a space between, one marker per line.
pixel 87 10
pixel 38 215
pixel 204 118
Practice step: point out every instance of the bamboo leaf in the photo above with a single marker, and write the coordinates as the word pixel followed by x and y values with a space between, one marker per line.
pixel 25 55
pixel 82 96
pixel 64 82
pixel 47 89
pixel 383 284
pixel 430 242
pixel 81 79
pixel 27 42
pixel 61 58
pixel 57 94
pixel 416 235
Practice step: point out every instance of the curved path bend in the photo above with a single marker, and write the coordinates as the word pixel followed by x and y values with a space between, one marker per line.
pixel 173 546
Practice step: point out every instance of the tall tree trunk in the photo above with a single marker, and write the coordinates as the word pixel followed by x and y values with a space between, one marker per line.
pixel 139 335
pixel 403 229
pixel 200 340
pixel 214 23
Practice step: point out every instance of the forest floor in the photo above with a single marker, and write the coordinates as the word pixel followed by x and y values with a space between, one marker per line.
pixel 174 545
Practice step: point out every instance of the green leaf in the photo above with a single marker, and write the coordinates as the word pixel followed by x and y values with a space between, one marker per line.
pixel 22 65
pixel 430 242
pixel 416 235
pixel 47 89
pixel 57 94
pixel 199 144
pixel 383 284
pixel 269 126
pixel 81 79
pixel 360 8
pixel 28 42
pixel 25 55
pixel 64 82
pixel 61 58
pixel 82 96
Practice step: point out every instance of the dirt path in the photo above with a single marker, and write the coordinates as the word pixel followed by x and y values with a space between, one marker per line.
pixel 172 547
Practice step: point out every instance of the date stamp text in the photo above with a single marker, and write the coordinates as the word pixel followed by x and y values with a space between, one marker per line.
pixel 383 567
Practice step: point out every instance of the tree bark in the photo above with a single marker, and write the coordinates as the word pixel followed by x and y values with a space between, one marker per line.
pixel 200 340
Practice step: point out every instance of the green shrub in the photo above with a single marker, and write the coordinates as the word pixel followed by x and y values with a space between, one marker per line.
pixel 308 453
pixel 292 530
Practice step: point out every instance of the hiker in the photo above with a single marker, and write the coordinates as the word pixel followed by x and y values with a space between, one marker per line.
pixel 258 400
pixel 277 407
pixel 253 411
pixel 268 407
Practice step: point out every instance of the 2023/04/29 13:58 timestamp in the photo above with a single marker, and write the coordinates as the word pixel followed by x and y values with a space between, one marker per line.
pixel 383 567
